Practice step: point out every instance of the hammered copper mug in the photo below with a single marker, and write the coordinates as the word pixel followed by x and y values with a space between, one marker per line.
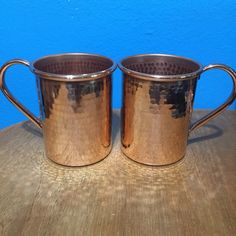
pixel 75 102
pixel 158 95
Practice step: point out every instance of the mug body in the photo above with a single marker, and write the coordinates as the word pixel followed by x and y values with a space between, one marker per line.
pixel 158 94
pixel 75 103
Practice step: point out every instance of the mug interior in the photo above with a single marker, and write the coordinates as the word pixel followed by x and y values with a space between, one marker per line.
pixel 73 64
pixel 158 64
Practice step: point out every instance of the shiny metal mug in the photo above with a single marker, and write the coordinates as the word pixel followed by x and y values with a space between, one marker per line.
pixel 75 102
pixel 158 94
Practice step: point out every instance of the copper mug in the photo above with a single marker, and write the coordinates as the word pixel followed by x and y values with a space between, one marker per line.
pixel 75 103
pixel 158 95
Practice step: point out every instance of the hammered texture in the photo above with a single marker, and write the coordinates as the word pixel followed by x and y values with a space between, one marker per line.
pixel 72 64
pixel 76 115
pixel 76 120
pixel 155 114
pixel 160 65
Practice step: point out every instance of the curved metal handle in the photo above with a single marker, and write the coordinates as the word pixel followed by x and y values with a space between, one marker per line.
pixel 10 97
pixel 221 108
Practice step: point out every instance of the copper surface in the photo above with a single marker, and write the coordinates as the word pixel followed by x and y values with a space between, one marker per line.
pixel 158 96
pixel 75 104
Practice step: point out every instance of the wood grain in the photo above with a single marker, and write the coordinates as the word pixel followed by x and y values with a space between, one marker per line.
pixel 117 196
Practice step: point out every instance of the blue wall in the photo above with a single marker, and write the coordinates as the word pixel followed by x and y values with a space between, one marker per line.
pixel 204 30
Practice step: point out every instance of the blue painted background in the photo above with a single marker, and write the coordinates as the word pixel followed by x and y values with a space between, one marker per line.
pixel 204 30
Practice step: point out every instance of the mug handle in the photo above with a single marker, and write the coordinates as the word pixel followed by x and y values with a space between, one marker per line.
pixel 10 97
pixel 222 107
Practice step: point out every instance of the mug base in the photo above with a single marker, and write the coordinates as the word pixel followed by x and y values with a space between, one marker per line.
pixel 157 164
pixel 79 164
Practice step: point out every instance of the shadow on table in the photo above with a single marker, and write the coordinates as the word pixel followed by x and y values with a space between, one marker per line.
pixel 214 132
pixel 115 125
pixel 32 128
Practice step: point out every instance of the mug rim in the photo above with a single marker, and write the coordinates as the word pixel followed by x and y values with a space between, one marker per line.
pixel 73 77
pixel 162 78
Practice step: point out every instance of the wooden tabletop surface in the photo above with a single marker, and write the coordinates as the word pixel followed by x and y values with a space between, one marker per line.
pixel 117 196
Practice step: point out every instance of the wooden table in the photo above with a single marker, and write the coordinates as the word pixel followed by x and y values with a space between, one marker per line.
pixel 117 196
